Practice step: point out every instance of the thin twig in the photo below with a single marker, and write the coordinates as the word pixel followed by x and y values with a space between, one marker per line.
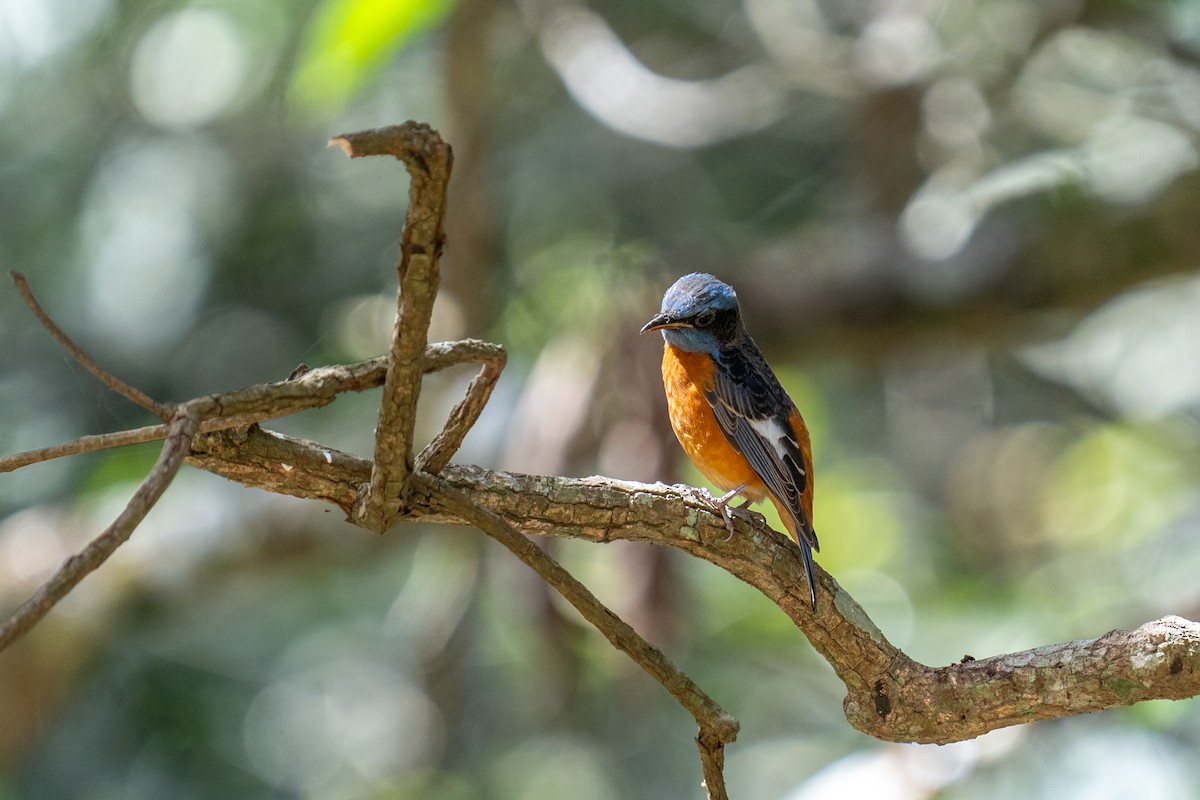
pixel 428 160
pixel 84 444
pixel 324 382
pixel 119 386
pixel 441 449
pixel 717 727
pixel 241 407
pixel 183 427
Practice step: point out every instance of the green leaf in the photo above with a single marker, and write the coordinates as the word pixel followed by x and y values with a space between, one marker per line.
pixel 350 40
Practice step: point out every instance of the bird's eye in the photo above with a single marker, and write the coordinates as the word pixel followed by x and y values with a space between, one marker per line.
pixel 705 318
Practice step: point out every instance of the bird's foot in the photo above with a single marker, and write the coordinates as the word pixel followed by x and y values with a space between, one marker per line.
pixel 722 504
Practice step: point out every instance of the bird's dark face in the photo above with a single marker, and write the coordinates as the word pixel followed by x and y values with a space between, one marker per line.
pixel 699 314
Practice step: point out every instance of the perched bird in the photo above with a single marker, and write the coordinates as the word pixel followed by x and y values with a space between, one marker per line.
pixel 729 412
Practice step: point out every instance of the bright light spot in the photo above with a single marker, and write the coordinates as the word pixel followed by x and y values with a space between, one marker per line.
pixel 361 325
pixel 553 767
pixel 1131 159
pixel 1098 498
pixel 559 387
pixel 937 223
pixel 955 111
pixel 858 501
pixel 145 266
pixel 783 24
pixel 350 40
pixel 432 601
pixel 1023 177
pixel 339 724
pixel 613 85
pixel 893 772
pixel 30 545
pixel 1183 90
pixel 800 40
pixel 896 49
pixel 1137 352
pixel 31 32
pixel 188 68
pixel 1079 78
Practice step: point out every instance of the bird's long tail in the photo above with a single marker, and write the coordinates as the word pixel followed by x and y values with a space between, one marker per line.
pixel 793 526
pixel 806 551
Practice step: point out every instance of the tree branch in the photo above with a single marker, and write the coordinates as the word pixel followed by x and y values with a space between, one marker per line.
pixel 889 695
pixel 441 449
pixel 717 727
pixel 317 387
pixel 119 386
pixel 428 160
pixel 183 427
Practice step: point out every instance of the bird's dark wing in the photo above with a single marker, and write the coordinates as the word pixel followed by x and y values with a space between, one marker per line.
pixel 755 414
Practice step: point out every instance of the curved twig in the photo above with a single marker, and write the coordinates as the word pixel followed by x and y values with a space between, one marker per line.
pixel 441 449
pixel 136 396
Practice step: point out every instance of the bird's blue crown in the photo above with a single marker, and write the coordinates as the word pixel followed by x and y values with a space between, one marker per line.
pixel 696 292
pixel 689 297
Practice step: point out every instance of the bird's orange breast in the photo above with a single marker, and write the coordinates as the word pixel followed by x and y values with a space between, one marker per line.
pixel 686 378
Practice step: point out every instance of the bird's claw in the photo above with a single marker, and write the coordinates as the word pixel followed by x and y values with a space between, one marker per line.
pixel 722 503
pixel 727 515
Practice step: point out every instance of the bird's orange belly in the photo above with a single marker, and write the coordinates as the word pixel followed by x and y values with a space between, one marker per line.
pixel 686 377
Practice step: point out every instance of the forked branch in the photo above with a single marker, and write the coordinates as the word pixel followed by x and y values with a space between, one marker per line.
pixel 428 160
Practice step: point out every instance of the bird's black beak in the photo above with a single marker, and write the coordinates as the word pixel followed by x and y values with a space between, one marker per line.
pixel 661 321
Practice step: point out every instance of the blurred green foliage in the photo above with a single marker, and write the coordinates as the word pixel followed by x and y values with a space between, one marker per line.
pixel 963 232
pixel 349 41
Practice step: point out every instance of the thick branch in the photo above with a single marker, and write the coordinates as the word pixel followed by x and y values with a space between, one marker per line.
pixel 1159 660
pixel 428 160
pixel 889 695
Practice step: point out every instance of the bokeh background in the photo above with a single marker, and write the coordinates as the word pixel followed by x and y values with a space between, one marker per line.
pixel 967 235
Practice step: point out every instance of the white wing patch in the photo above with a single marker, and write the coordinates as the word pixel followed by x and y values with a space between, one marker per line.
pixel 772 431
